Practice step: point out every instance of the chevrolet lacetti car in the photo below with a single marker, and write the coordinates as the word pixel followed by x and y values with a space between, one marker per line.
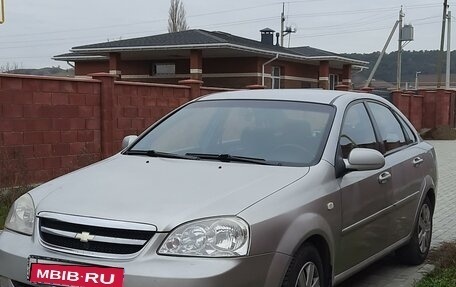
pixel 244 188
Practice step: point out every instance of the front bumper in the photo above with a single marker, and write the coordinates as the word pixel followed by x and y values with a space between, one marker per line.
pixel 148 268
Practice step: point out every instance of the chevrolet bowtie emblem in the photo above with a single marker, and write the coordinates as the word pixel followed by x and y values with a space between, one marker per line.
pixel 84 236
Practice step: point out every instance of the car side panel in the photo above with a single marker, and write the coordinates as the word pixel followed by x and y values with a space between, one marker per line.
pixel 408 181
pixel 365 221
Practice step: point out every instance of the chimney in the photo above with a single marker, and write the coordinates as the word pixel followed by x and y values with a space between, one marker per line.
pixel 267 36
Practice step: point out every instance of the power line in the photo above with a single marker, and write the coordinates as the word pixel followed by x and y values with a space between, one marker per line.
pixel 360 11
pixel 383 10
pixel 317 14
pixel 138 23
pixel 344 32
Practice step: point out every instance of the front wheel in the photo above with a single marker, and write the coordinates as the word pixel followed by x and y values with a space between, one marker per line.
pixel 416 251
pixel 306 269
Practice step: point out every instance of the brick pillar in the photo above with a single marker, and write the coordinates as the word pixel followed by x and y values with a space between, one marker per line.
pixel 442 107
pixel 195 87
pixel 416 111
pixel 402 101
pixel 342 87
pixel 367 90
pixel 452 109
pixel 323 77
pixel 196 64
pixel 429 108
pixel 346 75
pixel 396 95
pixel 106 113
pixel 114 64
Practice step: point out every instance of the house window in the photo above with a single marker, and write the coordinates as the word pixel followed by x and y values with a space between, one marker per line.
pixel 163 69
pixel 333 81
pixel 275 77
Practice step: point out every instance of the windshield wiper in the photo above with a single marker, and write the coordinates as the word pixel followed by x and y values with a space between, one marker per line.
pixel 154 153
pixel 232 158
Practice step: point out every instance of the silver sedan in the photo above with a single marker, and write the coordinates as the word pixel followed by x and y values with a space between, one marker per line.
pixel 246 188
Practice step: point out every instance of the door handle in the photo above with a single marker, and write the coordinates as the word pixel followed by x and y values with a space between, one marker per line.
pixel 417 161
pixel 384 177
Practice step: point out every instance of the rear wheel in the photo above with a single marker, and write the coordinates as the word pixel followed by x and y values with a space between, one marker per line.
pixel 416 251
pixel 306 269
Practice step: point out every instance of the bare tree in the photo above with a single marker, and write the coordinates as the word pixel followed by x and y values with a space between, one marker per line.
pixel 177 20
pixel 9 67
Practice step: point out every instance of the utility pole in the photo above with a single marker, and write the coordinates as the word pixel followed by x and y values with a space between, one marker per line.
pixel 379 59
pixel 442 42
pixel 399 51
pixel 282 24
pixel 405 35
pixel 2 11
pixel 448 59
pixel 284 31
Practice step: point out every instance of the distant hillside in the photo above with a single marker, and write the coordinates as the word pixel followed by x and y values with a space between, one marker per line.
pixel 48 71
pixel 412 62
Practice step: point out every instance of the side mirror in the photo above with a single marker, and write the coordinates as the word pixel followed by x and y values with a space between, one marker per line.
pixel 364 159
pixel 128 140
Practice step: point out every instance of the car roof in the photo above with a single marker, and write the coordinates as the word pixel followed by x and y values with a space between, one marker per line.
pixel 302 95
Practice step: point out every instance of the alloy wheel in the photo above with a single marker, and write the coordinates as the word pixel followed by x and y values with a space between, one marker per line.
pixel 308 276
pixel 424 228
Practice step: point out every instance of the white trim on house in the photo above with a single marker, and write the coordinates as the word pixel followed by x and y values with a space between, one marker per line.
pixel 115 72
pixel 218 45
pixel 167 76
pixel 231 75
pixel 300 79
pixel 219 75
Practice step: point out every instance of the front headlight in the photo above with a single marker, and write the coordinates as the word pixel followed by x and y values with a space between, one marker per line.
pixel 21 216
pixel 214 237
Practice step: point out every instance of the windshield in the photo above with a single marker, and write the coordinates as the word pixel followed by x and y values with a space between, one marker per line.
pixel 281 132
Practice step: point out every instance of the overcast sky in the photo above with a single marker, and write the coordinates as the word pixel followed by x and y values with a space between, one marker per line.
pixel 36 30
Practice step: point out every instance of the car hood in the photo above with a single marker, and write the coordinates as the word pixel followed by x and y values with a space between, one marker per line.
pixel 162 192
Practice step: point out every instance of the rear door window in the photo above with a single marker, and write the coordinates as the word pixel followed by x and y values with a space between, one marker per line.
pixel 408 130
pixel 391 133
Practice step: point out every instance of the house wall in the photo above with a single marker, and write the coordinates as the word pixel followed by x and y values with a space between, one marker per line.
pixel 294 75
pixel 51 126
pixel 144 67
pixel 84 68
pixel 218 72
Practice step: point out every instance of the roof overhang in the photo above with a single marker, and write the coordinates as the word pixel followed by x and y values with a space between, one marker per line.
pixel 87 57
pixel 243 51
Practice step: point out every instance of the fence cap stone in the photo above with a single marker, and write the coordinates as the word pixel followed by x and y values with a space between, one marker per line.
pixel 256 87
pixel 102 74
pixel 190 82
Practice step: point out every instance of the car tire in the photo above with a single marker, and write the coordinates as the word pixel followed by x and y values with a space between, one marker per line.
pixel 417 249
pixel 306 269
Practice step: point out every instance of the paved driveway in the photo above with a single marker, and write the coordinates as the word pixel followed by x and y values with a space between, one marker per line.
pixel 388 272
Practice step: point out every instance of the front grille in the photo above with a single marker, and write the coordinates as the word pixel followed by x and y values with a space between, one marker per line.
pixel 69 236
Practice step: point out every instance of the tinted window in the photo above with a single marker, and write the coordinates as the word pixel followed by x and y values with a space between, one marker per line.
pixel 391 133
pixel 357 130
pixel 408 130
pixel 290 133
